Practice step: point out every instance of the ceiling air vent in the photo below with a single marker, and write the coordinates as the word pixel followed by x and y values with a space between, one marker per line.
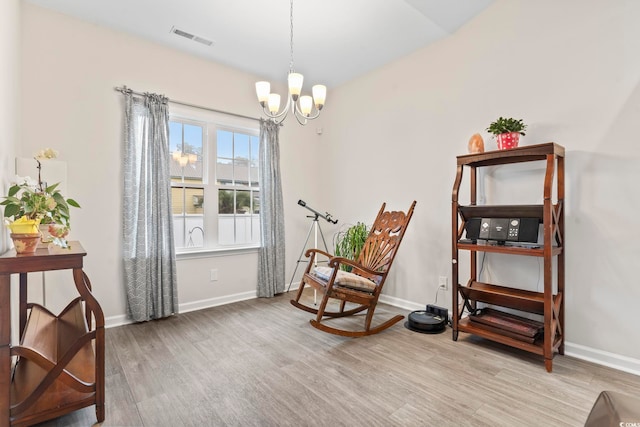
pixel 190 36
pixel 201 40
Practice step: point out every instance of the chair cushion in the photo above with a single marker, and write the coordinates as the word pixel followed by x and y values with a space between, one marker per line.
pixel 346 279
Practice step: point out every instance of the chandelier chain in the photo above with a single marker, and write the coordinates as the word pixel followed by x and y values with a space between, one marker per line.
pixel 291 38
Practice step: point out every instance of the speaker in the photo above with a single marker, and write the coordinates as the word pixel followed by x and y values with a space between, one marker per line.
pixel 472 228
pixel 527 230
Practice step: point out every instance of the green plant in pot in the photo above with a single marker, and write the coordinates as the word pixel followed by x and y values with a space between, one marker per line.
pixel 27 204
pixel 507 132
pixel 349 242
pixel 30 203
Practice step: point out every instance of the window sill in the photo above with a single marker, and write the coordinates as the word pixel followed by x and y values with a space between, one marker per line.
pixel 216 252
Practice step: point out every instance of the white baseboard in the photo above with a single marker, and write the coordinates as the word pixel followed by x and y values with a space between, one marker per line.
pixel 611 360
pixel 113 321
pixel 214 302
pixel 401 303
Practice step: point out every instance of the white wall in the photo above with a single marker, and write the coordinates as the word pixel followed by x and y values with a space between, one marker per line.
pixel 68 102
pixel 9 115
pixel 9 99
pixel 570 69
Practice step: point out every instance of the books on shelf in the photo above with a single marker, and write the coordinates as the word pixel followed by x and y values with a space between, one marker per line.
pixel 516 327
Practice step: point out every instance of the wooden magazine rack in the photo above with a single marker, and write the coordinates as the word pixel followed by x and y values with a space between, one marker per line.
pixel 58 366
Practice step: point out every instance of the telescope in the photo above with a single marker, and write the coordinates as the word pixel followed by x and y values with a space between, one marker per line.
pixel 315 227
pixel 326 216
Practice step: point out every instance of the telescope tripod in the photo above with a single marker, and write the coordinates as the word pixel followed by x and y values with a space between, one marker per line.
pixel 315 227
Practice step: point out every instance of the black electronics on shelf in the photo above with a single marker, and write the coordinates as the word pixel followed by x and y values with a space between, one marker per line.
pixel 503 229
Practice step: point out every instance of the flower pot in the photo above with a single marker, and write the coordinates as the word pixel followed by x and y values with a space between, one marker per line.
pixel 58 234
pixel 25 243
pixel 44 232
pixel 25 226
pixel 507 141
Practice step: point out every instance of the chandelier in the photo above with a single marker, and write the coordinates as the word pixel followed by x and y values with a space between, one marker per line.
pixel 300 106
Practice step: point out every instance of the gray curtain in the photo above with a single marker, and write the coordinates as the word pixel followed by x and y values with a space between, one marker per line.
pixel 271 262
pixel 148 253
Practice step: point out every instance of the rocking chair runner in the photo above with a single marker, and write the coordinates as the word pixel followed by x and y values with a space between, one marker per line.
pixel 363 284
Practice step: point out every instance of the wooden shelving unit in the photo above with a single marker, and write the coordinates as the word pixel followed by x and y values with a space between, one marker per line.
pixel 58 366
pixel 548 303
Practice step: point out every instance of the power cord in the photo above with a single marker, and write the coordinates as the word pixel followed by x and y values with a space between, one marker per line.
pixel 539 269
pixel 438 290
pixel 435 302
pixel 484 257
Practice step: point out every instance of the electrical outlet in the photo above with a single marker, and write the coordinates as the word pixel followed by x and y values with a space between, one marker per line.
pixel 443 282
pixel 214 275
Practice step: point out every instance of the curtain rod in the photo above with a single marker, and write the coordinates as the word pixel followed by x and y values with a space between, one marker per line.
pixel 125 89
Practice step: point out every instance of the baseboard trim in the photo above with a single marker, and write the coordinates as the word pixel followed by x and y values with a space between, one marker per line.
pixel 115 321
pixel 401 303
pixel 121 320
pixel 605 358
pixel 214 302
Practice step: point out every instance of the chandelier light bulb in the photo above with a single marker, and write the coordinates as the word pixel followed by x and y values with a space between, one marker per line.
pixel 306 104
pixel 262 90
pixel 319 95
pixel 295 85
pixel 274 103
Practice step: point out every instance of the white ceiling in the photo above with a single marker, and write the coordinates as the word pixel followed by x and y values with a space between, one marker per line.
pixel 334 40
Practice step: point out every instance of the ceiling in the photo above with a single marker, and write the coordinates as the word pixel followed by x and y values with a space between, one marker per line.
pixel 334 40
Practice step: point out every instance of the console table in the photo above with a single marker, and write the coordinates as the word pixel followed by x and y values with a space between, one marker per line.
pixel 58 366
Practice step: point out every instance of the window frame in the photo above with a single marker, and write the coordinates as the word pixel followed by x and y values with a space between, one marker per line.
pixel 212 122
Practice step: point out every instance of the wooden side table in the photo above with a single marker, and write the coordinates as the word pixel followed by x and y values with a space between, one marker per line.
pixel 60 358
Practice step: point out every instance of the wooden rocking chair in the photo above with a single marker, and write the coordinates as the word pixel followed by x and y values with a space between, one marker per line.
pixel 363 284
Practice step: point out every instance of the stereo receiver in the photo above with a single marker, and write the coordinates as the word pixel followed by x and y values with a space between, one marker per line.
pixel 503 229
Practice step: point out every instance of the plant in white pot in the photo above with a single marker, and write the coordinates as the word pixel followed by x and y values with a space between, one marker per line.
pixel 507 132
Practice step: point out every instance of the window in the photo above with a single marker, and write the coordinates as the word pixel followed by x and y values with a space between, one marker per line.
pixel 215 181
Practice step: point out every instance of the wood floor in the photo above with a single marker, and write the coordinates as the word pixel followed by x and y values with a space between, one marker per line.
pixel 260 363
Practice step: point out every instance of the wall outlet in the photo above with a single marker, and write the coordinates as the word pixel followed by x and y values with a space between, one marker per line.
pixel 214 274
pixel 443 282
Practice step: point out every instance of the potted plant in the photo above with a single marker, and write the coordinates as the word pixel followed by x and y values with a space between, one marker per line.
pixel 349 242
pixel 30 203
pixel 507 132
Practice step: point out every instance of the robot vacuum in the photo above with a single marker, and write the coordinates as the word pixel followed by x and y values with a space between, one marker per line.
pixel 425 322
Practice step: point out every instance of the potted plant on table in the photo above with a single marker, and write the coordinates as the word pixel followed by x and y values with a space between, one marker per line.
pixel 507 132
pixel 30 203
